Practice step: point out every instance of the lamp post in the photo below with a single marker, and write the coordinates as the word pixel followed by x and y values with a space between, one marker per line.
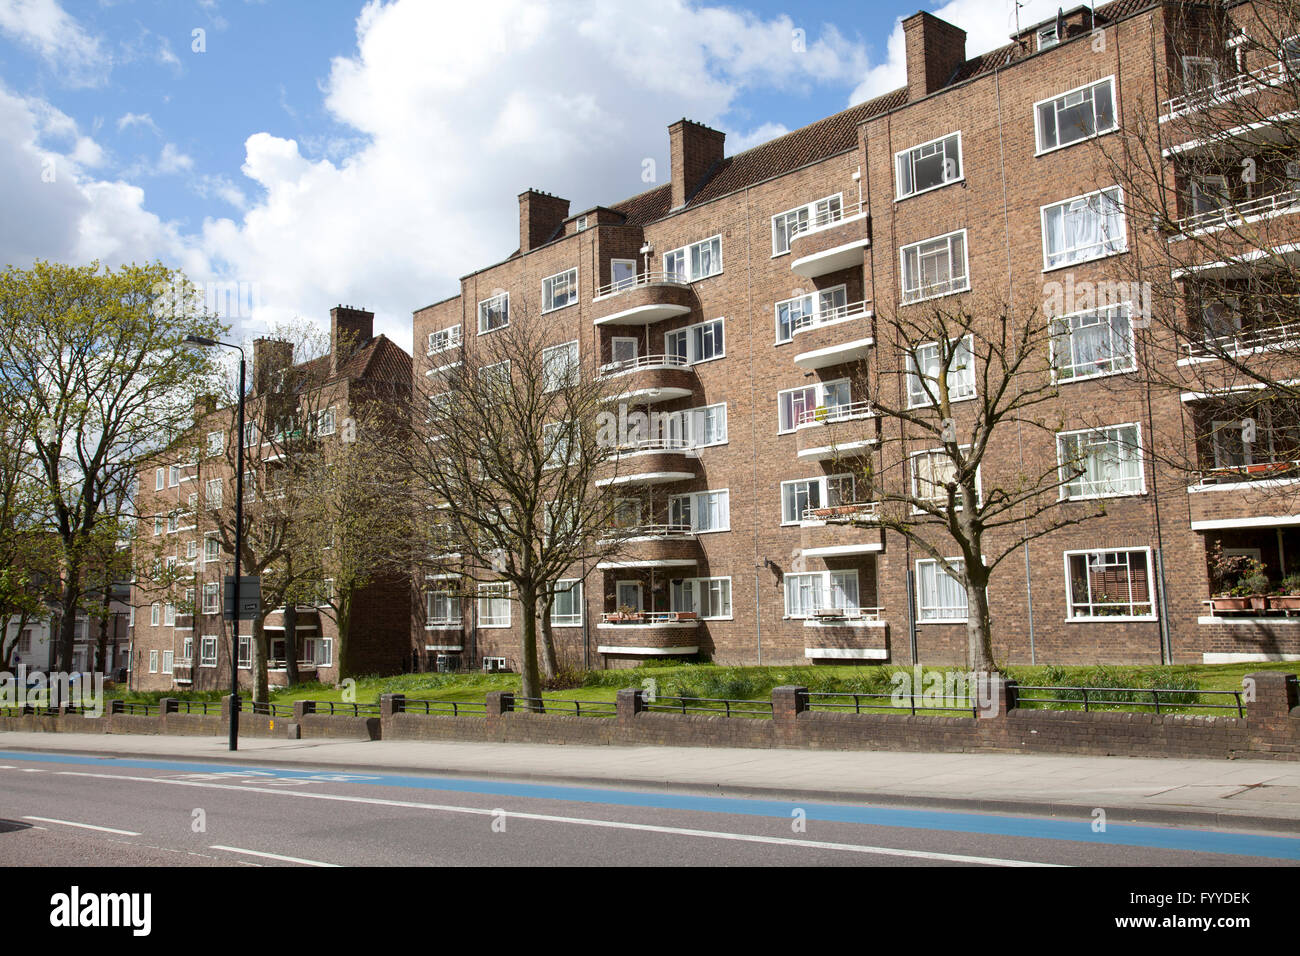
pixel 239 535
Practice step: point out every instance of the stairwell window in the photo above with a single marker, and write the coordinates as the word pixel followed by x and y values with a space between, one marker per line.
pixel 928 166
pixel 932 472
pixel 940 598
pixel 494 313
pixel 1075 116
pixel 1101 463
pixel 1093 343
pixel 694 262
pixel 1083 228
pixel 935 267
pixel 923 384
pixel 208 651
pixel 494 605
pixel 560 366
pixel 696 343
pixel 325 422
pixel 442 608
pixel 211 598
pixel 559 290
pixel 1109 585
pixel 566 610
pixel 213 494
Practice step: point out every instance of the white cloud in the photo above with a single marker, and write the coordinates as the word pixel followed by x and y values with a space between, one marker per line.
pixel 78 58
pixel 127 120
pixel 739 142
pixel 172 160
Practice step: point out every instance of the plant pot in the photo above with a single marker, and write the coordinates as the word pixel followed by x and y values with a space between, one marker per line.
pixel 1227 603
pixel 1259 602
pixel 1284 602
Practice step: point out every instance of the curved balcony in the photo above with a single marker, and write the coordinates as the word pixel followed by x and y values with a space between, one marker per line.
pixel 650 378
pixel 648 634
pixel 846 634
pixel 835 431
pixel 649 297
pixel 651 461
pixel 830 243
pixel 654 547
pixel 833 337
pixel 841 532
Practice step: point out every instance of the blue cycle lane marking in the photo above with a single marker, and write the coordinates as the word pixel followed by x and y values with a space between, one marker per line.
pixel 1080 831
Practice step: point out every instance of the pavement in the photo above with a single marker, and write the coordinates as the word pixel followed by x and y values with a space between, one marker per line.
pixel 1232 794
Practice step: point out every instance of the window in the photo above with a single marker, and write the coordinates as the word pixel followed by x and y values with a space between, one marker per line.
pixel 245 650
pixel 442 608
pixel 158 479
pixel 173 523
pixel 211 547
pixel 1075 116
pixel 806 594
pixel 935 267
pixel 580 225
pixel 813 403
pixel 923 386
pixel 1200 73
pixel 702 511
pixel 799 497
pixel 214 493
pixel 187 650
pixel 192 502
pixel 208 651
pixel 559 290
pixel 940 598
pixel 805 310
pixel 216 444
pixel 695 427
pixel 153 662
pixel 25 640
pixel 698 261
pixel 154 611
pixel 494 605
pixel 622 273
pixel 1289 54
pixel 495 376
pixel 928 166
pixel 1109 584
pixel 710 598
pixel 444 339
pixel 211 597
pixel 696 343
pixel 1083 228
pixel 191 550
pixel 560 366
pixel 557 443
pixel 1048 36
pixel 1101 463
pixel 494 313
pixel 786 225
pixel 325 421
pixel 173 476
pixel 932 471
pixel 167 661
pixel 566 610
pixel 1088 344
pixel 169 615
pixel 157 524
pixel 250 434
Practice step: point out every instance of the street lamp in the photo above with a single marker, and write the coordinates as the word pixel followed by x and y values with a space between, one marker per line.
pixel 199 340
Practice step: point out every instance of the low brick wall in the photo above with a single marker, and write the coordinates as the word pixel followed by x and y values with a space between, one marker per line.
pixel 1270 729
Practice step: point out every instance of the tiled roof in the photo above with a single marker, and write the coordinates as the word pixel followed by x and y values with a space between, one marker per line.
pixel 380 359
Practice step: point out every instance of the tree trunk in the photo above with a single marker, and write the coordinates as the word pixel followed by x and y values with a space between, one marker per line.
pixel 68 618
pixel 7 646
pixel 101 646
pixel 530 681
pixel 291 643
pixel 979 623
pixel 342 644
pixel 261 686
pixel 550 665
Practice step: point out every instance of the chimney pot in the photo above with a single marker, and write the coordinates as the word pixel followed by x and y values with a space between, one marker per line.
pixel 694 151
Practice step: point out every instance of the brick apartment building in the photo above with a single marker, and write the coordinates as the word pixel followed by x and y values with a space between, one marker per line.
pixel 738 297
pixel 179 638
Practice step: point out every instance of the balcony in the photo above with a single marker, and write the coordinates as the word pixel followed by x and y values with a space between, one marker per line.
pixel 830 242
pixel 1239 84
pixel 1242 496
pixel 651 461
pixel 846 513
pixel 648 634
pixel 654 547
pixel 1245 341
pixel 643 299
pixel 650 378
pixel 832 337
pixel 841 531
pixel 846 634
pixel 829 431
pixel 1238 214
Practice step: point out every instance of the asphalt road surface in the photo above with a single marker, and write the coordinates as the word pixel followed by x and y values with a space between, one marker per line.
pixel 69 810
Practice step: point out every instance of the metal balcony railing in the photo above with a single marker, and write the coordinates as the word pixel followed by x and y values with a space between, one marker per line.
pixel 825 414
pixel 1245 340
pixel 839 313
pixel 826 219
pixel 641 362
pixel 640 281
pixel 1236 85
pixel 650 617
pixel 655 444
pixel 1236 213
pixel 844 513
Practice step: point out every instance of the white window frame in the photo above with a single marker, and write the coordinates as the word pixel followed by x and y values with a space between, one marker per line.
pixel 443 340
pixel 450 597
pixel 823 485
pixel 214 538
pixel 820 391
pixel 206 642
pixel 153 662
pixel 962 383
pixel 155 614
pixel 159 479
pixel 488 593
pixel 693 591
pixel 568 375
pixel 158 524
pixel 502 301
pixel 169 615
pixel 548 290
pixel 803 215
pixel 187 650
pixel 1072 617
pixel 914 296
pixel 627 281
pixel 937 617
pixel 1068 320
pixel 1048 33
pixel 691 425
pixel 908 155
pixel 1102 252
pixel 216 444
pixel 173 476
pixel 325 421
pixel 824 588
pixel 1135 449
pixel 1040 150
pixel 574 589
pixel 942 499
pixel 486 371
pixel 693 349
pixel 168 661
pixel 211 598
pixel 690 254
pixel 693 509
pixel 213 502
pixel 817 307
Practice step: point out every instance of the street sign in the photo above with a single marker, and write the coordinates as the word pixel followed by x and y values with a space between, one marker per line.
pixel 250 598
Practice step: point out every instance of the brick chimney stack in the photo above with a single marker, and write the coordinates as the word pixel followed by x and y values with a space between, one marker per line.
pixel 694 151
pixel 935 50
pixel 540 215
pixel 350 329
pixel 269 356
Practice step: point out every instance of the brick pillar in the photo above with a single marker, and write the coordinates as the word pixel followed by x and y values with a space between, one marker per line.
pixel 630 701
pixel 788 702
pixel 168 705
pixel 390 704
pixel 994 695
pixel 1270 713
pixel 499 702
pixel 225 707
pixel 302 708
pixel 116 706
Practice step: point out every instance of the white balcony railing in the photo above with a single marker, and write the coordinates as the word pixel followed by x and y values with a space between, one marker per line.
pixel 825 414
pixel 656 531
pixel 642 362
pixel 826 219
pixel 655 444
pixel 650 617
pixel 851 613
pixel 641 280
pixel 1236 85
pixel 845 513
pixel 1246 340
pixel 1257 471
pixel 1237 213
pixel 839 313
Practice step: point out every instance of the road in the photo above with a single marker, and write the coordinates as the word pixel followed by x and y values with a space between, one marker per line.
pixel 70 810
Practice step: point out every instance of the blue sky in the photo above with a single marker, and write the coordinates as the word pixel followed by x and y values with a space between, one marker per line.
pixel 371 153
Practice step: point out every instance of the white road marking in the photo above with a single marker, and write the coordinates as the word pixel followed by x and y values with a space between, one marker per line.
pixel 33 770
pixel 586 822
pixel 84 826
pixel 272 856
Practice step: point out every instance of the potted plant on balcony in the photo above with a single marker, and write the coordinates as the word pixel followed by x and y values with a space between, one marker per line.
pixel 1287 596
pixel 1238 568
pixel 1256 586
